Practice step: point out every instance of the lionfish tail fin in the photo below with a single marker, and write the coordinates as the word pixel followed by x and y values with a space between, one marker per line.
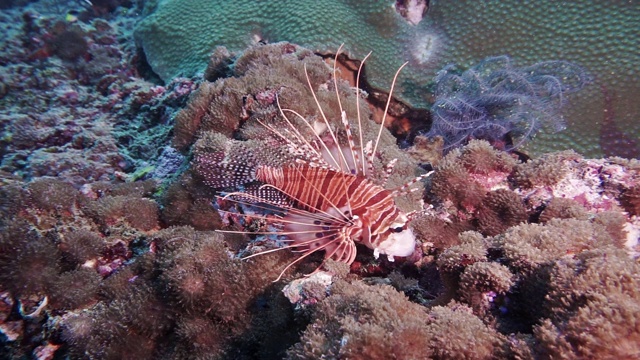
pixel 219 171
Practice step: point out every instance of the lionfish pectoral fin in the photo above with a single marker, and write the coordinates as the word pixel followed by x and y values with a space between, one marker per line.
pixel 220 172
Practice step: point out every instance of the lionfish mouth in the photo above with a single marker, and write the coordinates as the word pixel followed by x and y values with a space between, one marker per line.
pixel 331 194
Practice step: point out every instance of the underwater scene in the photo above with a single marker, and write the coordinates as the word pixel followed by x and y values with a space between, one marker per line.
pixel 331 179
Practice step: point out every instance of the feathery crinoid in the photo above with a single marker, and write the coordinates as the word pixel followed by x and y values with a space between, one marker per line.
pixel 318 180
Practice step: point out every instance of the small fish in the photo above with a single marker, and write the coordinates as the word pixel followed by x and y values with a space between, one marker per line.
pixel 328 195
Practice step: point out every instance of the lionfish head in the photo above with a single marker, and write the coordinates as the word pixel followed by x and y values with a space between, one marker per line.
pixel 397 239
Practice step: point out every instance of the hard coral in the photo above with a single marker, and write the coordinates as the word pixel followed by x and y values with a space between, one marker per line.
pixel 320 26
pixel 68 41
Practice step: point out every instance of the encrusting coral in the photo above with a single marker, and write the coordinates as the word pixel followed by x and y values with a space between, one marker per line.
pixel 317 25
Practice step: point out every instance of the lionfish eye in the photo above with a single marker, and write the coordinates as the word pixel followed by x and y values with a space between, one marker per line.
pixel 397 229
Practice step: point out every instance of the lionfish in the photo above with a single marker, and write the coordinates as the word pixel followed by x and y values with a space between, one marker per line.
pixel 328 197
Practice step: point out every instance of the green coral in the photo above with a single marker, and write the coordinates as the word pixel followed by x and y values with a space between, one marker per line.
pixel 602 36
pixel 178 36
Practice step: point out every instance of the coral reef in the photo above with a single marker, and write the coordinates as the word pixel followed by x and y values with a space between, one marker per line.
pixel 94 268
pixel 464 33
pixel 109 241
pixel 319 26
pixel 73 104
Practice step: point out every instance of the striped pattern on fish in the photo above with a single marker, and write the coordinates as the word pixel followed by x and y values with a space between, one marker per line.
pixel 328 196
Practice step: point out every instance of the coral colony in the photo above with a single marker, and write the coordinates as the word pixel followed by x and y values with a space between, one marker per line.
pixel 144 215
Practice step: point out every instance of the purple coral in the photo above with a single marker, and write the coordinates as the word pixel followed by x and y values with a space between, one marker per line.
pixel 496 101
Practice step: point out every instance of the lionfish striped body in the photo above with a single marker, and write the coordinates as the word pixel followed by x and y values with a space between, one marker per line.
pixel 327 195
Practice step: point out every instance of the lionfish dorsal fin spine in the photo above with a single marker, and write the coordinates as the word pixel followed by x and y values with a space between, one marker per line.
pixel 358 112
pixel 388 170
pixel 345 121
pixel 406 188
pixel 315 157
pixel 386 108
pixel 342 162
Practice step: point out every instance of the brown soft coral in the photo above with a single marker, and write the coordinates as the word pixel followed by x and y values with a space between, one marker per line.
pixel 186 203
pixel 527 246
pixel 53 196
pixel 547 170
pixel 125 211
pixel 365 322
pixel 81 245
pixel 202 277
pixel 500 210
pixel 593 308
pixel 376 322
pixel 260 74
pixel 465 175
pixel 561 208
pixel 28 261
